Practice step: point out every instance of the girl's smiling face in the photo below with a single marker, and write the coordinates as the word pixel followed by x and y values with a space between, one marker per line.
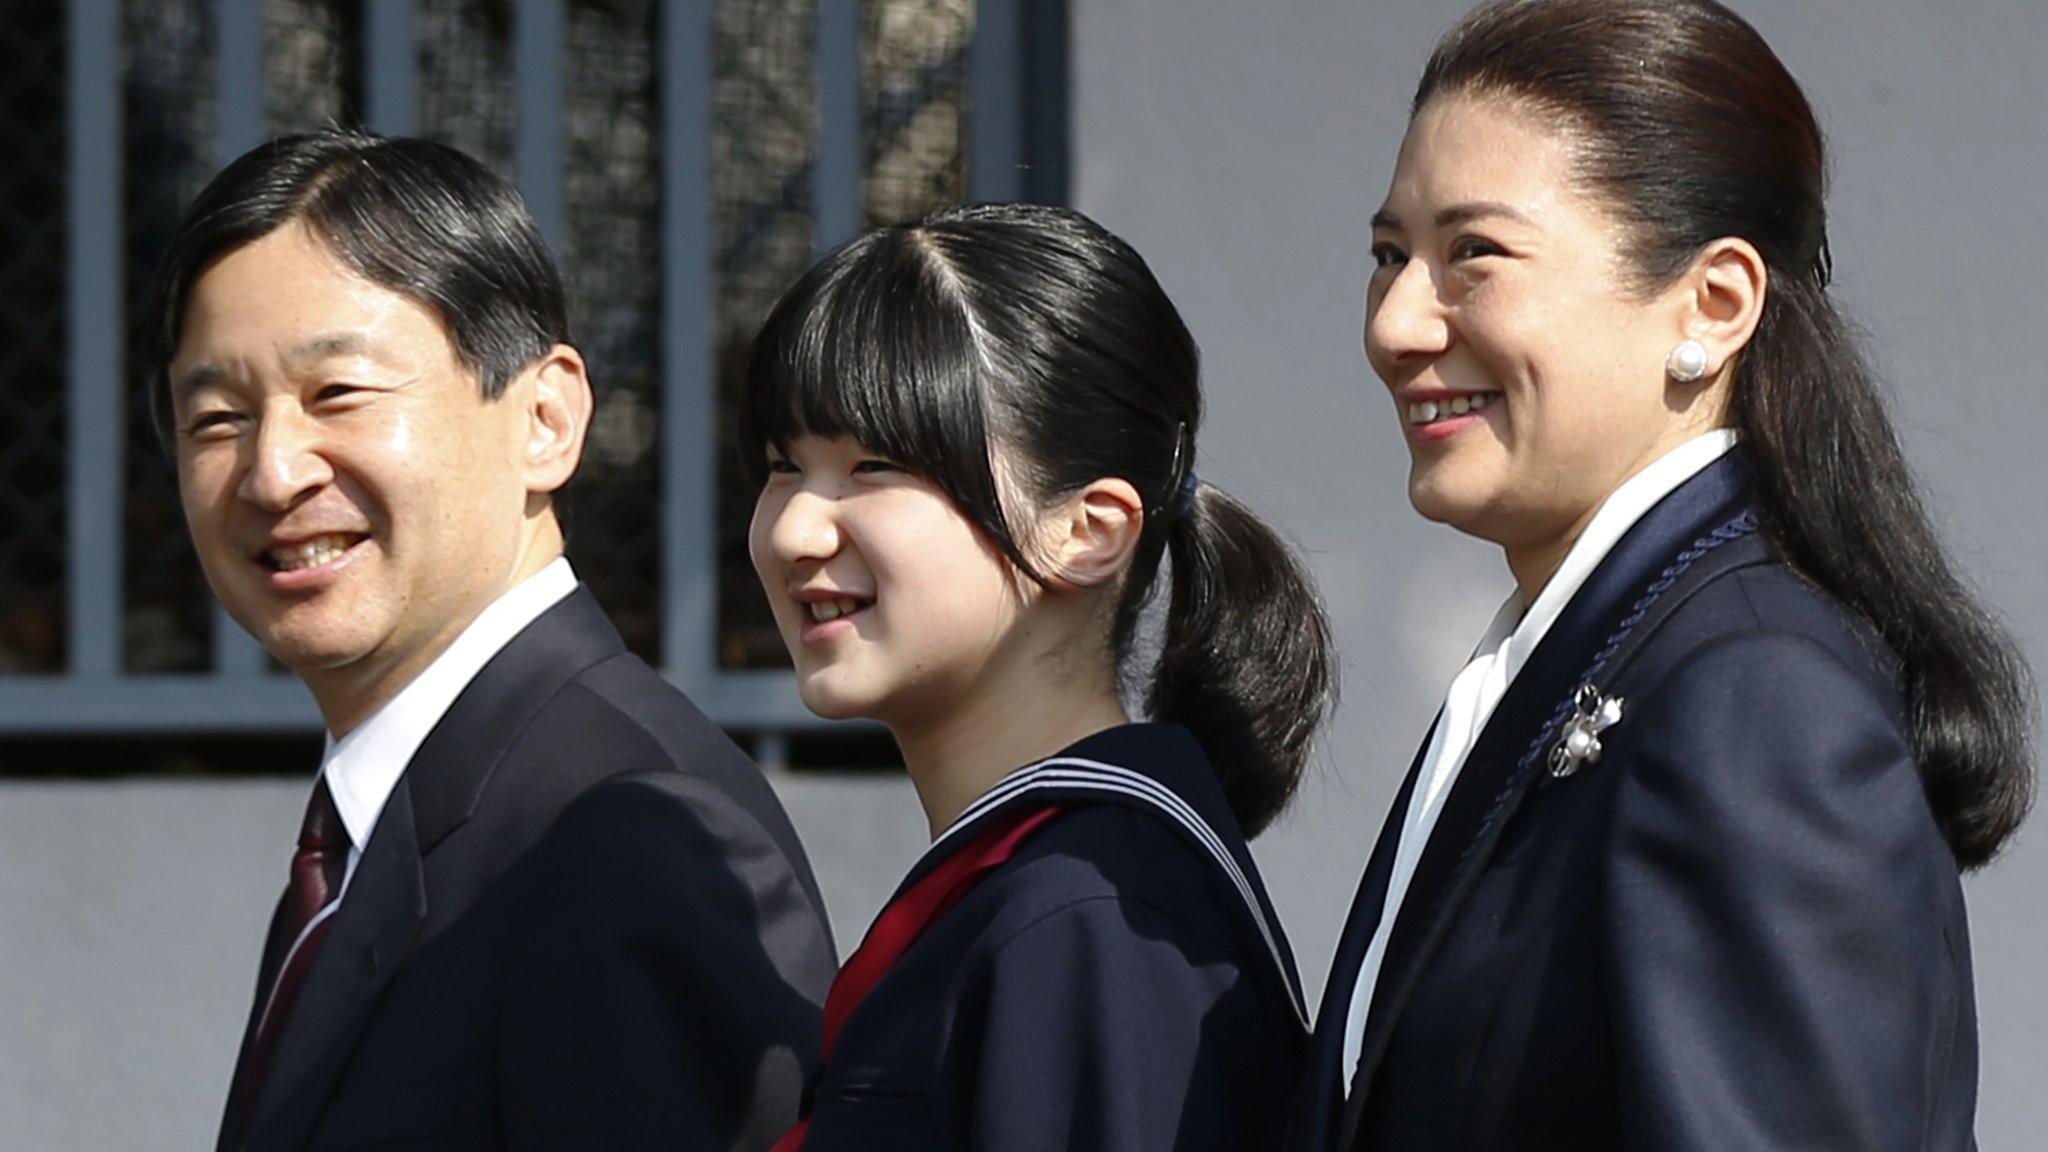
pixel 894 606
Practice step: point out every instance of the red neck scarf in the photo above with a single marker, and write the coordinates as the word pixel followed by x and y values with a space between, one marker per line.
pixel 907 917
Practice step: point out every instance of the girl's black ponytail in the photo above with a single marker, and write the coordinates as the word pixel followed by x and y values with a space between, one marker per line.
pixel 1246 662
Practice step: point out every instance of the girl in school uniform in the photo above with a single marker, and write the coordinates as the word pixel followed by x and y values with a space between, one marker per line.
pixel 975 436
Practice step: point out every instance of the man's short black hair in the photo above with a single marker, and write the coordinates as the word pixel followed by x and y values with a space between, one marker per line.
pixel 425 220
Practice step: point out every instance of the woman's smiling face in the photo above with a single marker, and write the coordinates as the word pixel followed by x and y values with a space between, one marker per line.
pixel 1527 369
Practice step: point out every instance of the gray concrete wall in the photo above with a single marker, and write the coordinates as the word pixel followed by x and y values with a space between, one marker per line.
pixel 1242 147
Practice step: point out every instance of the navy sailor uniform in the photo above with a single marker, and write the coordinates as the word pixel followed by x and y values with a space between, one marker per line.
pixel 1738 927
pixel 1120 982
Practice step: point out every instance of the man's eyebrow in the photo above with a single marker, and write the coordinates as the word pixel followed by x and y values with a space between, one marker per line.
pixel 298 357
pixel 327 346
pixel 196 377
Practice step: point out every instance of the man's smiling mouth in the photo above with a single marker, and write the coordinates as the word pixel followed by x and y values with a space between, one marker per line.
pixel 309 553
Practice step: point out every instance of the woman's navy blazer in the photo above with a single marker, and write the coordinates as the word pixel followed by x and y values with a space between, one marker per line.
pixel 1740 928
pixel 1107 987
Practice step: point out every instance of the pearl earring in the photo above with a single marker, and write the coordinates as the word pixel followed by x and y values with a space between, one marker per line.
pixel 1688 361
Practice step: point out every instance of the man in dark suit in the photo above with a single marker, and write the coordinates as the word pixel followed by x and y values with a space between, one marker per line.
pixel 539 900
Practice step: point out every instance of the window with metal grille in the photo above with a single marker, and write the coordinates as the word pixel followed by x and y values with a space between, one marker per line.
pixel 686 159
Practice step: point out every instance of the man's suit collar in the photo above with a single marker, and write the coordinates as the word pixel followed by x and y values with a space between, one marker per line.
pixel 363 767
pixel 386 900
pixel 454 764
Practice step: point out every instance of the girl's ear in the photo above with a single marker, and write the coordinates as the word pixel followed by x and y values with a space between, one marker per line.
pixel 1090 537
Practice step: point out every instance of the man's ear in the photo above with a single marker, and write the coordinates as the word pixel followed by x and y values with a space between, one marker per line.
pixel 1722 300
pixel 558 405
pixel 1091 536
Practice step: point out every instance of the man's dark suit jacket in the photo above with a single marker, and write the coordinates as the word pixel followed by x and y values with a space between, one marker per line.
pixel 1740 929
pixel 583 922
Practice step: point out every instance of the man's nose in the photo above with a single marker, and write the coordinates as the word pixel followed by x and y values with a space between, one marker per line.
pixel 287 460
pixel 1407 320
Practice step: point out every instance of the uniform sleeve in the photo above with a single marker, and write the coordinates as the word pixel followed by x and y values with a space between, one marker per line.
pixel 1777 894
pixel 665 982
pixel 1109 1027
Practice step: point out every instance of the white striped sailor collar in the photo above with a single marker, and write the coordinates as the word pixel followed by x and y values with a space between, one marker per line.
pixel 1158 768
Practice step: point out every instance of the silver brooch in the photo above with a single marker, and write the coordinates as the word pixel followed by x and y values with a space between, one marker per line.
pixel 1591 715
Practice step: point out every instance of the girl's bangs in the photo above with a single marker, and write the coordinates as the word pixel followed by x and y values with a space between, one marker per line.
pixel 869 346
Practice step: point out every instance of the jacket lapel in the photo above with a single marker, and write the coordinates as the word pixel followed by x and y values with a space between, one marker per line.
pixel 1319 1099
pixel 449 773
pixel 266 975
pixel 1484 797
pixel 386 899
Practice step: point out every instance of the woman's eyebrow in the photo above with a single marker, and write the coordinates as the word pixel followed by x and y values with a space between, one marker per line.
pixel 1454 215
pixel 1465 213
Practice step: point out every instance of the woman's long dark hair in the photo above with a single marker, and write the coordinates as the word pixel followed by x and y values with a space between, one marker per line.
pixel 1692 130
pixel 1034 332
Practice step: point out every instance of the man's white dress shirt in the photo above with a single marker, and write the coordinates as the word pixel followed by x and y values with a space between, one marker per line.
pixel 1476 690
pixel 364 766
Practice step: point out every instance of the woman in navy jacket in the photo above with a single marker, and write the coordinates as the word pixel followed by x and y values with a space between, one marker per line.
pixel 1677 868
pixel 975 437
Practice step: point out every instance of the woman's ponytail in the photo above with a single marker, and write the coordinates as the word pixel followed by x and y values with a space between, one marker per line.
pixel 1247 662
pixel 1839 500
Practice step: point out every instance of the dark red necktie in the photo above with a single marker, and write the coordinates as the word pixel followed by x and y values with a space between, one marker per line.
pixel 317 871
pixel 906 918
